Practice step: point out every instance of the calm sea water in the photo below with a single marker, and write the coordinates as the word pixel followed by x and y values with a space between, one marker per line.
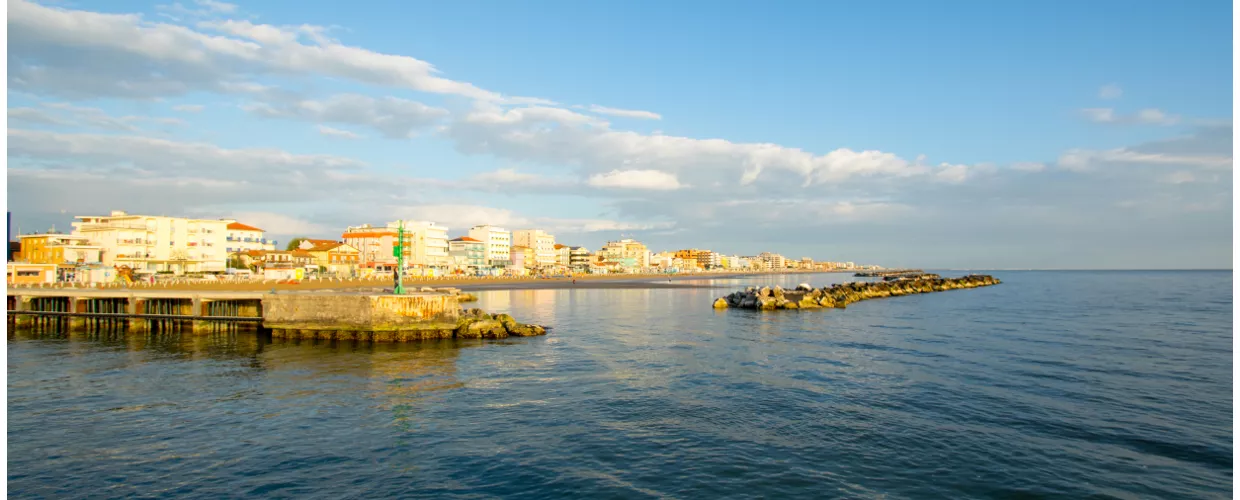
pixel 1076 384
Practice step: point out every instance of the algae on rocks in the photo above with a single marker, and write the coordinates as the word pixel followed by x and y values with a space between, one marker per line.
pixel 839 296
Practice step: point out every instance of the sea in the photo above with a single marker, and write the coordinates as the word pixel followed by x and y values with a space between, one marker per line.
pixel 1072 384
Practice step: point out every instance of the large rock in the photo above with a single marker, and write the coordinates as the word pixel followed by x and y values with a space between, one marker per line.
pixel 486 329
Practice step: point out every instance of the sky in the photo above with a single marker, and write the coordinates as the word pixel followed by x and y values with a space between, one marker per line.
pixel 964 134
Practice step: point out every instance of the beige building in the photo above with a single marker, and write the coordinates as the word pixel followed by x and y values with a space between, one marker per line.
pixel 626 254
pixel 430 243
pixel 156 243
pixel 497 243
pixel 542 243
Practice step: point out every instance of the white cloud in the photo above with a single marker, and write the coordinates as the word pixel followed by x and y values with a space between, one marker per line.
pixel 635 179
pixel 395 118
pixel 1110 91
pixel 189 108
pixel 68 115
pixel 276 223
pixel 335 132
pixel 214 6
pixel 135 58
pixel 1100 115
pixel 1149 116
pixel 1155 117
pixel 952 173
pixel 1029 166
pixel 1084 160
pixel 1180 177
pixel 626 113
pixel 555 136
pixel 466 215
pixel 156 156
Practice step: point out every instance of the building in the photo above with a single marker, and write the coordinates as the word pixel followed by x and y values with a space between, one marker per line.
pixel 335 258
pixel 156 243
pixel 430 244
pixel 542 243
pixel 523 258
pixel 625 254
pixel 57 248
pixel 68 253
pixel 563 255
pixel 690 256
pixel 309 243
pixel 468 253
pixel 22 273
pixel 579 258
pixel 376 246
pixel 773 261
pixel 707 259
pixel 497 244
pixel 240 237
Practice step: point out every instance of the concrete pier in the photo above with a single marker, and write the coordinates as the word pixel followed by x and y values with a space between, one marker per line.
pixel 320 315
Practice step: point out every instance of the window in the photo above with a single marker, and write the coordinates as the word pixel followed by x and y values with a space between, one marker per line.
pixel 28 273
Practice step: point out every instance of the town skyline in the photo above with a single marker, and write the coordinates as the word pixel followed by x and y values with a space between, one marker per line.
pixel 897 138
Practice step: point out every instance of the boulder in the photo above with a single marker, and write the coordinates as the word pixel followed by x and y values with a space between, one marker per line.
pixel 486 329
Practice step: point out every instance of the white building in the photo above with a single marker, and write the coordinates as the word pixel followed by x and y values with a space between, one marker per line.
pixel 428 242
pixel 156 243
pixel 542 243
pixel 497 241
pixel 243 238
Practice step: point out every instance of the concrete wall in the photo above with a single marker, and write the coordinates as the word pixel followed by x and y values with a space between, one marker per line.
pixel 358 312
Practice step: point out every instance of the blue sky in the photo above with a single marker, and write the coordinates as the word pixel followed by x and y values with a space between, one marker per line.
pixel 958 134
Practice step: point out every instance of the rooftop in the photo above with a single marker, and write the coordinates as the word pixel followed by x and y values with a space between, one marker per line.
pixel 237 226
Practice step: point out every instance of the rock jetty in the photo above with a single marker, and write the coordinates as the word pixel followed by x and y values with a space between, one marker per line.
pixel 893 273
pixel 839 296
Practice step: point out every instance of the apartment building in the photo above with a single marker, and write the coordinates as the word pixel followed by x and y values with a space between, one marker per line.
pixel 497 243
pixel 156 243
pixel 468 253
pixel 542 243
pixel 58 248
pixel 625 254
pixel 429 241
pixel 376 246
pixel 773 261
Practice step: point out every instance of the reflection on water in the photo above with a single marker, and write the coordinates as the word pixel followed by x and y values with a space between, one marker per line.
pixel 1052 384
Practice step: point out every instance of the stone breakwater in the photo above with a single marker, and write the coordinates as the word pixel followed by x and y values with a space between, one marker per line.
pixel 839 296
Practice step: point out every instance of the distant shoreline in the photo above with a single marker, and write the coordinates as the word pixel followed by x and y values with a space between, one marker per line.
pixel 480 284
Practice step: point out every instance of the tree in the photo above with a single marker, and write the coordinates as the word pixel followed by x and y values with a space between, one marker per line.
pixel 294 243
